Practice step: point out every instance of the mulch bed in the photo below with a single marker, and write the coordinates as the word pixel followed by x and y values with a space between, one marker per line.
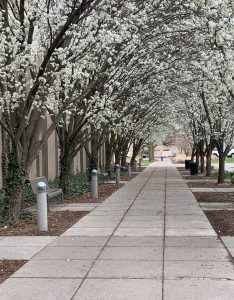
pixel 205 184
pixel 58 222
pixel 125 177
pixel 200 177
pixel 8 267
pixel 222 221
pixel 105 190
pixel 214 197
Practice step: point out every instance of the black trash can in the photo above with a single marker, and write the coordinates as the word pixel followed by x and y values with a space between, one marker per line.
pixel 187 162
pixel 194 168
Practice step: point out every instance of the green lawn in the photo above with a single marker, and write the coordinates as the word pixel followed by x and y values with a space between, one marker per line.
pixel 227 160
pixel 145 162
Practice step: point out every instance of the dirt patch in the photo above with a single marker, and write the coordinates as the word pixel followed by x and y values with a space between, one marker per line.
pixel 214 197
pixel 8 267
pixel 105 190
pixel 205 184
pixel 199 177
pixel 222 221
pixel 58 222
pixel 125 177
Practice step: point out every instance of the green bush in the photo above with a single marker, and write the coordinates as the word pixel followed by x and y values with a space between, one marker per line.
pixel 79 184
pixel 26 215
pixel 103 176
pixel 2 208
pixel 28 194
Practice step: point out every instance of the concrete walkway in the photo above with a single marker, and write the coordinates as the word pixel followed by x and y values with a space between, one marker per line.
pixel 149 240
pixel 22 247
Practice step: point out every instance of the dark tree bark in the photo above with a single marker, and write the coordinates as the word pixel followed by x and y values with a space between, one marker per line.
pixel 136 149
pixel 208 163
pixel 221 175
pixel 202 156
pixel 109 143
pixel 222 155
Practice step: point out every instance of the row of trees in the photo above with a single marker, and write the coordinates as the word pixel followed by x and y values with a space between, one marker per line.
pixel 110 72
pixel 97 68
pixel 207 85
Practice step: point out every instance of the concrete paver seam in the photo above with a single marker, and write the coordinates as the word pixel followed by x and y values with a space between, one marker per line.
pixel 80 285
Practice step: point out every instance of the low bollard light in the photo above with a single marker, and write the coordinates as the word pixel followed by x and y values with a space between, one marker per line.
pixel 94 184
pixel 117 174
pixel 42 217
pixel 129 170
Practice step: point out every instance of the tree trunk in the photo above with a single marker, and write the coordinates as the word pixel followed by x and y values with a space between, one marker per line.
pixel 208 164
pixel 117 156
pixel 197 155
pixel 65 171
pixel 136 149
pixel 93 161
pixel 221 174
pixel 109 144
pixel 151 153
pixel 193 153
pixel 15 175
pixel 124 159
pixel 202 156
pixel 108 158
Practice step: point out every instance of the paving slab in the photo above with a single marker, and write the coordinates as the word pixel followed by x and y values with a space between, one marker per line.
pixel 22 247
pixel 190 232
pixel 150 236
pixel 126 269
pixel 96 224
pixel 229 243
pixel 228 240
pixel 224 190
pixel 68 253
pixel 38 288
pixel 193 242
pixel 120 289
pixel 203 190
pixel 29 241
pixel 135 241
pixel 217 206
pixel 74 231
pixel 141 224
pixel 54 268
pixel 79 241
pixel 139 231
pixel 188 253
pixel 18 253
pixel 199 269
pixel 198 289
pixel 188 224
pixel 132 253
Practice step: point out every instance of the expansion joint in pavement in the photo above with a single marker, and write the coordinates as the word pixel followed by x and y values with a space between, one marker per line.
pixel 112 234
pixel 164 231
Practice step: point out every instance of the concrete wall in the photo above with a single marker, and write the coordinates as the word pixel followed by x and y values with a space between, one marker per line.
pixel 47 162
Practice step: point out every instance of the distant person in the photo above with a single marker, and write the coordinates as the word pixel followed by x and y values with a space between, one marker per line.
pixel 161 155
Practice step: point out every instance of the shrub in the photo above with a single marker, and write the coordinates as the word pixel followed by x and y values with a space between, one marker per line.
pixel 26 215
pixel 79 184
pixel 3 218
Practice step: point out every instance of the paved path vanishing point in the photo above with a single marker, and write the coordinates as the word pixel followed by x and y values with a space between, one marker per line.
pixel 149 240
